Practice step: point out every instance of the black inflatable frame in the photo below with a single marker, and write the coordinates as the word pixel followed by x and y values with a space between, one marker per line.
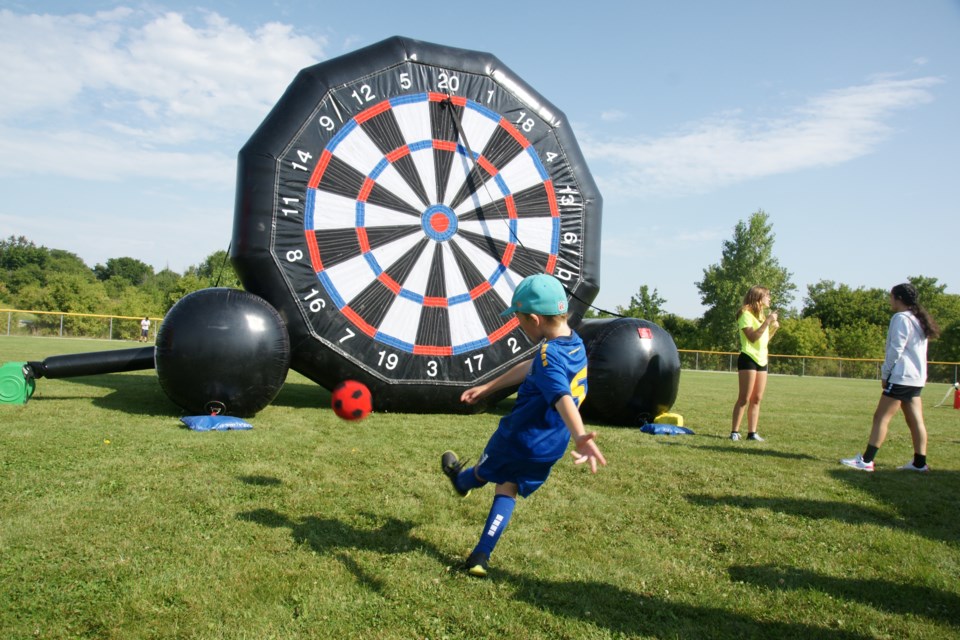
pixel 258 218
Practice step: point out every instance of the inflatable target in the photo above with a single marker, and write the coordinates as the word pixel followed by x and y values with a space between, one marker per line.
pixel 390 203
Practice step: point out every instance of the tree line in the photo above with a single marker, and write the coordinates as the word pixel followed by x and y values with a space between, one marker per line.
pixel 834 319
pixel 40 279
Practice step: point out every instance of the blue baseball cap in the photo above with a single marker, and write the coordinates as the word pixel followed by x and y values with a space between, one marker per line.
pixel 541 294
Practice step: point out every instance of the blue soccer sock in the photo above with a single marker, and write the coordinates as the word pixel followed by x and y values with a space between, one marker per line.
pixel 497 521
pixel 467 480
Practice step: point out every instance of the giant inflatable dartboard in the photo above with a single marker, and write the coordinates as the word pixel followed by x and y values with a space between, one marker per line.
pixel 391 202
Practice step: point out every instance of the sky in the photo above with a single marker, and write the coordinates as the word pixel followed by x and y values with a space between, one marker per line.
pixel 120 123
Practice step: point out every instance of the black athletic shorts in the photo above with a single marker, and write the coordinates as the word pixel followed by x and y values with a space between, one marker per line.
pixel 900 391
pixel 746 362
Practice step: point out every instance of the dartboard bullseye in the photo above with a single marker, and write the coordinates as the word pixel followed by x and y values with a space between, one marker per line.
pixel 389 205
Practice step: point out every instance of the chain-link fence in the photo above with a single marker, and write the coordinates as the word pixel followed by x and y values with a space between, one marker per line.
pixel 868 368
pixel 74 325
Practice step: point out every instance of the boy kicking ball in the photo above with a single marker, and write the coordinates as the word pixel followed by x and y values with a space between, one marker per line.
pixel 535 434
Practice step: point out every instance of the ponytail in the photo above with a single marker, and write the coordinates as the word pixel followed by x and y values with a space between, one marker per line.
pixel 908 295
pixel 930 328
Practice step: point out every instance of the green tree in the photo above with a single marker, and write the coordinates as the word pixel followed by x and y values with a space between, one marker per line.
pixel 17 252
pixel 746 260
pixel 22 263
pixel 800 337
pixel 685 333
pixel 129 270
pixel 947 347
pixel 164 288
pixel 215 271
pixel 838 306
pixel 645 304
pixel 61 261
pixel 187 284
pixel 69 292
pixel 859 339
pixel 927 288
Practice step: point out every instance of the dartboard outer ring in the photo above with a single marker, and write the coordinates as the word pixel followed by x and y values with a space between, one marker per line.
pixel 350 188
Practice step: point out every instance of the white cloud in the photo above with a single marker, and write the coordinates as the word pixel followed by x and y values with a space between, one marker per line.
pixel 827 130
pixel 613 115
pixel 84 155
pixel 124 92
pixel 624 242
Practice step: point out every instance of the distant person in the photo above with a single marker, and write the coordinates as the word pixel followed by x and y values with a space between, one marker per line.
pixel 535 434
pixel 903 374
pixel 755 330
pixel 145 329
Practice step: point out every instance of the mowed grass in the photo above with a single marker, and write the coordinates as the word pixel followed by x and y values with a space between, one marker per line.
pixel 117 522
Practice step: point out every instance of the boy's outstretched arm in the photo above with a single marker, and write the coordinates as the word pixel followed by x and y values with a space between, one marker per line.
pixel 586 448
pixel 509 378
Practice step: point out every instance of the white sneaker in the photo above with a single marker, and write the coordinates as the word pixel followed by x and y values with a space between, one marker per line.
pixel 734 435
pixel 909 467
pixel 858 463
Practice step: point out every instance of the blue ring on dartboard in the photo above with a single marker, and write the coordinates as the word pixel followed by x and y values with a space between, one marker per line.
pixel 438 223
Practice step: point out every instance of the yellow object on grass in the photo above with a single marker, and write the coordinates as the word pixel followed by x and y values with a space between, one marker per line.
pixel 669 418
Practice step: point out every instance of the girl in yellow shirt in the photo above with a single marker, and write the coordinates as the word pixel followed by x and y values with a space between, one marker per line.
pixel 755 331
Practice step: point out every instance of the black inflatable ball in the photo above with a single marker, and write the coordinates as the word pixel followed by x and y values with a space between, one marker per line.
pixel 222 351
pixel 633 370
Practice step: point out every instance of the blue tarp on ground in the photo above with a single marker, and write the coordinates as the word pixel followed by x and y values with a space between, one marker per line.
pixel 657 429
pixel 215 423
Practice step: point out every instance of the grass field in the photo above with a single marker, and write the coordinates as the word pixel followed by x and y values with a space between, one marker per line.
pixel 116 522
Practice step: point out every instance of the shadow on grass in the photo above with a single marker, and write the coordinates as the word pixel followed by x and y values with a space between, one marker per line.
pixel 141 393
pixel 302 395
pixel 260 481
pixel 883 595
pixel 602 605
pixel 750 450
pixel 138 394
pixel 923 504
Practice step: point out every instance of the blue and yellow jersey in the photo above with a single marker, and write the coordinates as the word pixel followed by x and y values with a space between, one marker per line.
pixel 534 427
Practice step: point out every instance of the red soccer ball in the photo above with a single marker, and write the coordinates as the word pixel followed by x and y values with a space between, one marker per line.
pixel 351 400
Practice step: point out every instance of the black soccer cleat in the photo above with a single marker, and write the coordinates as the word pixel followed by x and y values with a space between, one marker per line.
pixel 451 467
pixel 476 564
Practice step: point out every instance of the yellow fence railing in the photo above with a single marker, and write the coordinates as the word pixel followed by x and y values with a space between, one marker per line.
pixel 64 324
pixel 825 366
